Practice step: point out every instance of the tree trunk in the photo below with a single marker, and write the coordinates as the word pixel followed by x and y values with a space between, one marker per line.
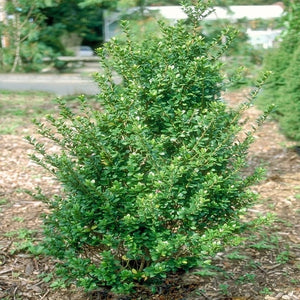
pixel 17 60
pixel 3 19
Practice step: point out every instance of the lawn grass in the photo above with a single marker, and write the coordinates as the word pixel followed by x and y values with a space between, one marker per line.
pixel 18 109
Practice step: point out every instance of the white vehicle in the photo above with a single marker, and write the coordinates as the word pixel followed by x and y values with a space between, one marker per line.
pixel 85 51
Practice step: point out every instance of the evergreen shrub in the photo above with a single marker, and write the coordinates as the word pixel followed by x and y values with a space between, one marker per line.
pixel 289 101
pixel 153 182
pixel 282 89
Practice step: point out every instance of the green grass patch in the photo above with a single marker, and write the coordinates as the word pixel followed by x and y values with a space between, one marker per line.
pixel 236 256
pixel 3 201
pixel 18 109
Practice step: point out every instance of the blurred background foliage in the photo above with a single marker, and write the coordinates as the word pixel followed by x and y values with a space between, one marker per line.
pixel 50 28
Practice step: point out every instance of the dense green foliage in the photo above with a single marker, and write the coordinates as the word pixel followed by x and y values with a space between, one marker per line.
pixel 68 17
pixel 153 182
pixel 283 86
pixel 289 102
pixel 25 50
pixel 39 28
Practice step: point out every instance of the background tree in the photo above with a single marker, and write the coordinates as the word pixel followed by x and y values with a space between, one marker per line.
pixel 3 34
pixel 78 18
pixel 3 20
pixel 22 30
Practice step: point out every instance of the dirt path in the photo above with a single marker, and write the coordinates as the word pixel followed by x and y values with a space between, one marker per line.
pixel 275 270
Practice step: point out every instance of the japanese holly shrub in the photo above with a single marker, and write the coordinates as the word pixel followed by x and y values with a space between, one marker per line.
pixel 282 88
pixel 153 181
pixel 289 101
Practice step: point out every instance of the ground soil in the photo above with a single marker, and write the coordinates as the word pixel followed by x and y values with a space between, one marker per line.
pixel 266 266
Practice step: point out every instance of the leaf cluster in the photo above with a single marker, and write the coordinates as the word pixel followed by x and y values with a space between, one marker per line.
pixel 283 86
